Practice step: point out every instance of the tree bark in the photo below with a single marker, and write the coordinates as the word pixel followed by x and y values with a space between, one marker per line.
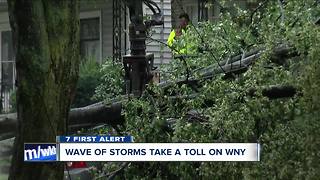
pixel 46 43
pixel 93 115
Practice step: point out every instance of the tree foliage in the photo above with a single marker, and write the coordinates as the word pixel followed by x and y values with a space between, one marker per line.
pixel 111 82
pixel 287 128
pixel 89 79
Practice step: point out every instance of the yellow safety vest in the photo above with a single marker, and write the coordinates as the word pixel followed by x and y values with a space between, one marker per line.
pixel 178 50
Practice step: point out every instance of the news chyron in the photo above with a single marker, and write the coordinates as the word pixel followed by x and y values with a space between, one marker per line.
pixel 40 152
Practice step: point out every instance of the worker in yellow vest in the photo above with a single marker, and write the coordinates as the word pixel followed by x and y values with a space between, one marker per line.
pixel 176 33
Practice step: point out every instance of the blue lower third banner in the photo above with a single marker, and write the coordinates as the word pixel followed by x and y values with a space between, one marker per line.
pixel 94 139
pixel 40 152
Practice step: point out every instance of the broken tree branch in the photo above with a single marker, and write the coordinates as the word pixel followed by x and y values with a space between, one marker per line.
pixel 236 64
pixel 99 113
pixel 93 115
pixel 79 118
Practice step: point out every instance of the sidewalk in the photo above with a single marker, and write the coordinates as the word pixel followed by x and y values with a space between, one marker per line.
pixel 5 157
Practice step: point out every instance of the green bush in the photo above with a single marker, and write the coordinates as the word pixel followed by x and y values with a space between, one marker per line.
pixel 99 82
pixel 89 79
pixel 111 85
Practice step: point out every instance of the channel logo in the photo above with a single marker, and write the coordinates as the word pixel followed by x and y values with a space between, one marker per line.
pixel 40 152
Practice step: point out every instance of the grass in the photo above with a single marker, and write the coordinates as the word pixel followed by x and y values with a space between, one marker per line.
pixel 3 176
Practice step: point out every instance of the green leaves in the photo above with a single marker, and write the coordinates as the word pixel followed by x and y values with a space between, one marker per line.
pixel 288 128
pixel 89 79
pixel 112 81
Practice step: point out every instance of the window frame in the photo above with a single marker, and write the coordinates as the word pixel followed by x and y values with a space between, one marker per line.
pixel 5 26
pixel 89 15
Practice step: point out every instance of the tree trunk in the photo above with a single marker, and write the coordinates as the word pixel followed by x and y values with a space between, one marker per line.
pixel 46 41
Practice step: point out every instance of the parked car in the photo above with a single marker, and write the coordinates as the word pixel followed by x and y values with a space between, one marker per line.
pixel 77 171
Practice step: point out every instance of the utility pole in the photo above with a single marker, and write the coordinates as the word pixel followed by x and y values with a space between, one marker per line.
pixel 138 64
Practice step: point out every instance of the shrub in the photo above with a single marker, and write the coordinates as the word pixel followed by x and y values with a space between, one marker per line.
pixel 89 79
pixel 111 82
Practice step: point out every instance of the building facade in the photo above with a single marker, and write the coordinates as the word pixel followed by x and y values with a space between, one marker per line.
pixel 104 33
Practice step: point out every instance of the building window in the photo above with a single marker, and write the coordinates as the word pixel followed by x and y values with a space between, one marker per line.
pixel 90 38
pixel 191 10
pixel 202 10
pixel 7 69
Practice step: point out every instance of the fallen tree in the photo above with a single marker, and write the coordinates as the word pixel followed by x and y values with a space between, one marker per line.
pixel 99 113
pixel 95 114
pixel 79 118
pixel 235 64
